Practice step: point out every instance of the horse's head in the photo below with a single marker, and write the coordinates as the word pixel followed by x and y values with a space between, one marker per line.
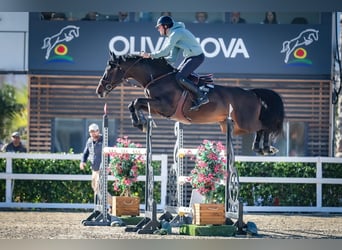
pixel 112 76
pixel 119 69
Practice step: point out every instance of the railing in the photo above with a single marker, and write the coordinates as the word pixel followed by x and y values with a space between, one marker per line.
pixel 318 181
pixel 9 176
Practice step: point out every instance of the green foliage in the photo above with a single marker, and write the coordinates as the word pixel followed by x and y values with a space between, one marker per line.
pixel 266 194
pixel 9 108
pixel 51 191
pixel 285 194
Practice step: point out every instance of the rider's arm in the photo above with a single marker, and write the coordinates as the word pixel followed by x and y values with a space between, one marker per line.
pixel 169 46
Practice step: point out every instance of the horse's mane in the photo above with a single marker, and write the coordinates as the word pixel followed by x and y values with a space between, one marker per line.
pixel 160 63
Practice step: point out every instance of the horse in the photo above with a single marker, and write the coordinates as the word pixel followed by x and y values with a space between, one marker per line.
pixel 257 110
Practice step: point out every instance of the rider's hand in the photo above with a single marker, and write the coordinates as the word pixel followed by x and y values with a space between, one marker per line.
pixel 145 55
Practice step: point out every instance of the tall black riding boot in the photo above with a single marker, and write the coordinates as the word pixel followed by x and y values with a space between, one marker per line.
pixel 201 98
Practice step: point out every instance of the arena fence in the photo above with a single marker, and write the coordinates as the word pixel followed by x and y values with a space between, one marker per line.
pixel 9 176
pixel 319 181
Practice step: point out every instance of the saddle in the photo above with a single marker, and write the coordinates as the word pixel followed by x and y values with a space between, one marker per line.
pixel 201 79
pixel 205 83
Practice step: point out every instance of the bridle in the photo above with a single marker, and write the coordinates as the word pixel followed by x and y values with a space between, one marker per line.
pixel 109 86
pixel 108 83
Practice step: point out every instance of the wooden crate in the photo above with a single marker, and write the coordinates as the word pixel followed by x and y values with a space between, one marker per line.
pixel 123 205
pixel 208 214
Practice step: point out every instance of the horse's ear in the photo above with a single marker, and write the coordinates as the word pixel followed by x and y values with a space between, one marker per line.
pixel 112 55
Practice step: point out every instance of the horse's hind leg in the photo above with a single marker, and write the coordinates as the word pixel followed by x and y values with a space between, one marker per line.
pixel 256 144
pixel 267 148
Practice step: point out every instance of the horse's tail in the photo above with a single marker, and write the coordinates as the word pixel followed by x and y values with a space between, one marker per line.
pixel 272 111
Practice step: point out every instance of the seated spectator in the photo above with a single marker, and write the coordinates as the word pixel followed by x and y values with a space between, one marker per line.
pixel 46 15
pixel 299 20
pixel 91 16
pixel 235 18
pixel 123 16
pixel 270 18
pixel 58 16
pixel 201 17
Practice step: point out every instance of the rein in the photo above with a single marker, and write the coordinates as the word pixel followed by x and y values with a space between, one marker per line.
pixel 158 78
pixel 126 71
pixel 153 79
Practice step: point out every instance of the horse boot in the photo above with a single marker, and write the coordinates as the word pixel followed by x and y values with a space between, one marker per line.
pixel 201 98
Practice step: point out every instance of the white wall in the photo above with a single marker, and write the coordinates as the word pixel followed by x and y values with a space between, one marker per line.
pixel 14 41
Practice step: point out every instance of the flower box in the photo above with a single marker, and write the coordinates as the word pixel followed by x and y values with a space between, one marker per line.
pixel 123 205
pixel 208 214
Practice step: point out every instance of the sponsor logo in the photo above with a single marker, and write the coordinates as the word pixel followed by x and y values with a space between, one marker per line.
pixel 296 49
pixel 211 46
pixel 55 45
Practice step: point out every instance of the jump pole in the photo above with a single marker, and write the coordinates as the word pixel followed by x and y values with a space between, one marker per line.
pixel 100 215
pixel 233 207
pixel 149 224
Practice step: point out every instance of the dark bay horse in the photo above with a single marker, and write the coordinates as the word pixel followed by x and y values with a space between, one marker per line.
pixel 254 110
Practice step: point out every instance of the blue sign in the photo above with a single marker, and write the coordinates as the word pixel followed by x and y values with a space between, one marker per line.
pixel 248 50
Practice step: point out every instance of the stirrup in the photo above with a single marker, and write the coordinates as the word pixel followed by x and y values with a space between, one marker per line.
pixel 199 102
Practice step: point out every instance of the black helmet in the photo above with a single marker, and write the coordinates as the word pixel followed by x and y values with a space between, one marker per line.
pixel 165 20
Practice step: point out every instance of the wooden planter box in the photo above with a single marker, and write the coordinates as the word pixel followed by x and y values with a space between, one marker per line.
pixel 208 214
pixel 123 205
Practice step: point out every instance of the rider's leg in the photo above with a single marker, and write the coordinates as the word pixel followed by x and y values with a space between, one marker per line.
pixel 201 98
pixel 185 69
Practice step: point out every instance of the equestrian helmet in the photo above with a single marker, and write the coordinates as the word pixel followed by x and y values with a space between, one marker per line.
pixel 165 21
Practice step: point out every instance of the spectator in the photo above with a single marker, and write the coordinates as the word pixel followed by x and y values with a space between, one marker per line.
pixel 299 20
pixel 15 145
pixel 123 16
pixel 235 18
pixel 46 15
pixel 201 17
pixel 270 18
pixel 91 16
pixel 58 16
pixel 93 151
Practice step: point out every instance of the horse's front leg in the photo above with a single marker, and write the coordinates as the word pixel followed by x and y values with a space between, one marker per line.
pixel 137 107
pixel 134 116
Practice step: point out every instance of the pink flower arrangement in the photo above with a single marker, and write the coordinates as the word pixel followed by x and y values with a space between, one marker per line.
pixel 210 167
pixel 125 167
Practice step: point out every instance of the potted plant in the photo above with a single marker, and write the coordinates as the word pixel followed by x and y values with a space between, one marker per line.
pixel 125 167
pixel 209 171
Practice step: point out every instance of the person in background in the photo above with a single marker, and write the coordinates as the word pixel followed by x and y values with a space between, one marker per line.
pixel 123 16
pixel 235 18
pixel 15 145
pixel 93 152
pixel 91 16
pixel 58 16
pixel 201 17
pixel 270 18
pixel 179 39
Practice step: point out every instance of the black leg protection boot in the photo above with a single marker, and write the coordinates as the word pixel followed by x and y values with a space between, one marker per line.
pixel 201 98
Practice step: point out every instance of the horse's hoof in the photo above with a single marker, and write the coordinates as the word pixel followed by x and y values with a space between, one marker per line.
pixel 270 151
pixel 257 150
pixel 139 126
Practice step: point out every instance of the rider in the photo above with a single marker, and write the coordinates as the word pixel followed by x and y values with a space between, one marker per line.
pixel 181 39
